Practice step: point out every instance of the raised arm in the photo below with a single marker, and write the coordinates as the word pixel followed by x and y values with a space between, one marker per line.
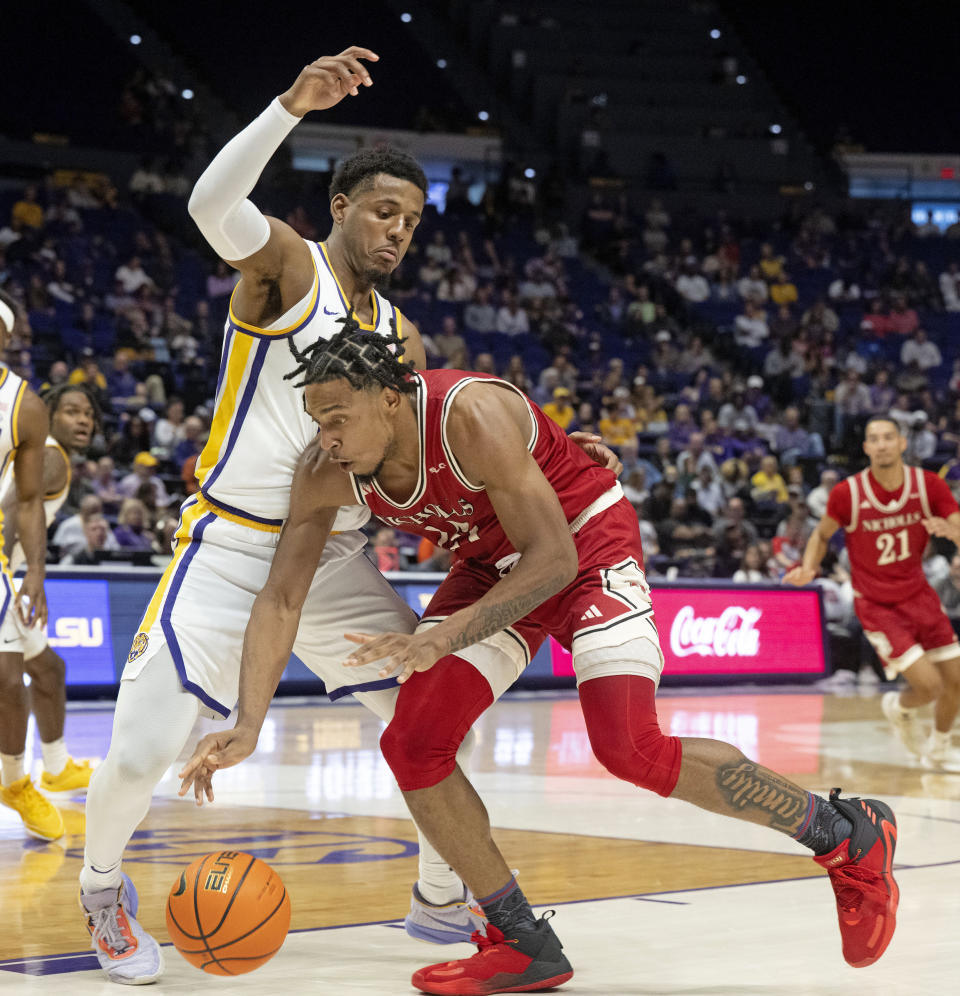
pixel 319 488
pixel 275 263
pixel 813 554
pixel 31 429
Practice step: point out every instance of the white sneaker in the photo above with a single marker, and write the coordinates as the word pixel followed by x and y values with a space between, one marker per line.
pixel 447 924
pixel 940 755
pixel 126 952
pixel 906 722
pixel 867 677
pixel 840 681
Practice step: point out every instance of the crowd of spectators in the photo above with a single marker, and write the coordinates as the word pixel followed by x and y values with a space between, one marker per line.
pixel 731 369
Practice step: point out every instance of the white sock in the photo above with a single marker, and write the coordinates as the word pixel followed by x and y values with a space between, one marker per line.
pixel 940 738
pixel 55 756
pixel 908 711
pixel 95 880
pixel 152 721
pixel 11 768
pixel 439 884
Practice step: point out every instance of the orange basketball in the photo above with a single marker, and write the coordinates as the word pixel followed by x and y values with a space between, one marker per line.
pixel 228 913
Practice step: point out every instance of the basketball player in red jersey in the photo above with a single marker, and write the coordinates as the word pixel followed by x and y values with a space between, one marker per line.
pixel 543 543
pixel 889 512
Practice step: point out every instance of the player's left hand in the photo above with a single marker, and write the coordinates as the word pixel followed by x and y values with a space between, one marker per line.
pixel 937 526
pixel 594 447
pixel 410 652
pixel 31 602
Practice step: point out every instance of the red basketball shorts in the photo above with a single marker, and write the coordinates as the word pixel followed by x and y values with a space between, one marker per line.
pixel 901 634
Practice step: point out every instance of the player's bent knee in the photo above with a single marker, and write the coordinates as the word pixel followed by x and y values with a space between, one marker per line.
pixel 138 768
pixel 435 712
pixel 417 760
pixel 647 759
pixel 11 679
pixel 47 670
pixel 625 733
pixel 928 683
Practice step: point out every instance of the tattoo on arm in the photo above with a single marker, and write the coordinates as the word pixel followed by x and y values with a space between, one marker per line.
pixel 492 619
pixel 746 785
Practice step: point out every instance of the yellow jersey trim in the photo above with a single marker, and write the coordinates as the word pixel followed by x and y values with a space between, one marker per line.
pixel 15 418
pixel 226 408
pixel 184 538
pixel 343 297
pixel 52 495
pixel 240 520
pixel 308 311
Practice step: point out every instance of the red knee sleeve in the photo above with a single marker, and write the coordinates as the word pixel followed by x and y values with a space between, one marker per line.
pixel 435 709
pixel 621 718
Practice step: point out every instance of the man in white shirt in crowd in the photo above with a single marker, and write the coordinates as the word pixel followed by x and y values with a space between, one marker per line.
pixel 920 350
pixel 696 456
pixel 480 316
pixel 70 537
pixel 817 499
pixel 750 328
pixel 132 276
pixel 691 285
pixel 851 400
pixel 753 287
pixel 511 318
pixel 950 286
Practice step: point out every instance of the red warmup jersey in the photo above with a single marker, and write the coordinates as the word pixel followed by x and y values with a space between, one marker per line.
pixel 455 514
pixel 885 533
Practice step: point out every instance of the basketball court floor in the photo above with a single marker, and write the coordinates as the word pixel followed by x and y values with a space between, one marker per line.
pixel 651 896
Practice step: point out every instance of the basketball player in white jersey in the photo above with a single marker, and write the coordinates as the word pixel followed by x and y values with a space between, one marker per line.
pixel 23 436
pixel 185 659
pixel 74 413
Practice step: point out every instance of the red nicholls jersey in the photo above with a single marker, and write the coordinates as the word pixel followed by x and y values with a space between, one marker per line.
pixel 885 532
pixel 457 515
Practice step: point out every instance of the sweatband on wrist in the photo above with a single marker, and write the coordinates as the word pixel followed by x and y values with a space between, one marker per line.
pixel 231 223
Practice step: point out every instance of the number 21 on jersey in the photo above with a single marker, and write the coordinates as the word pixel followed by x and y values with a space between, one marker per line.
pixel 893 547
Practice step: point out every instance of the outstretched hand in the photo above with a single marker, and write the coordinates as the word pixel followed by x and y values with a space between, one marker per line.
pixel 325 82
pixel 410 652
pixel 799 576
pixel 222 749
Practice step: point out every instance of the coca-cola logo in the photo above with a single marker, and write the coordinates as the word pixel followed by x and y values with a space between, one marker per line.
pixel 731 634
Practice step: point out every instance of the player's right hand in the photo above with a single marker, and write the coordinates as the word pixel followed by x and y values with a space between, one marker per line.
pixel 216 750
pixel 327 81
pixel 799 576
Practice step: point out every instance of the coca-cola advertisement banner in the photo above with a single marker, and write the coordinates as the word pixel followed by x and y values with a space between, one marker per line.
pixel 735 631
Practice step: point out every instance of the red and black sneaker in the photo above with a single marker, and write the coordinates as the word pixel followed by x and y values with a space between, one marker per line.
pixel 525 962
pixel 861 873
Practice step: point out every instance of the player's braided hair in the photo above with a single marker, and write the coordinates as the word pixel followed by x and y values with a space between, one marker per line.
pixel 51 398
pixel 365 359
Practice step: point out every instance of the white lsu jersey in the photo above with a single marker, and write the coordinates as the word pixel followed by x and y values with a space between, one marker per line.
pixel 52 503
pixel 12 389
pixel 259 426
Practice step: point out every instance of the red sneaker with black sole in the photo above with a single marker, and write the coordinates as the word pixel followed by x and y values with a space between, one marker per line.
pixel 861 873
pixel 528 961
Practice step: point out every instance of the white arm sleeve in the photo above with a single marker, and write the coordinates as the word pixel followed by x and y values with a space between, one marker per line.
pixel 233 225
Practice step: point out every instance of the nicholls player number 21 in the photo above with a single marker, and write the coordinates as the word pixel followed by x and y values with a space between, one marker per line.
pixel 889 511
